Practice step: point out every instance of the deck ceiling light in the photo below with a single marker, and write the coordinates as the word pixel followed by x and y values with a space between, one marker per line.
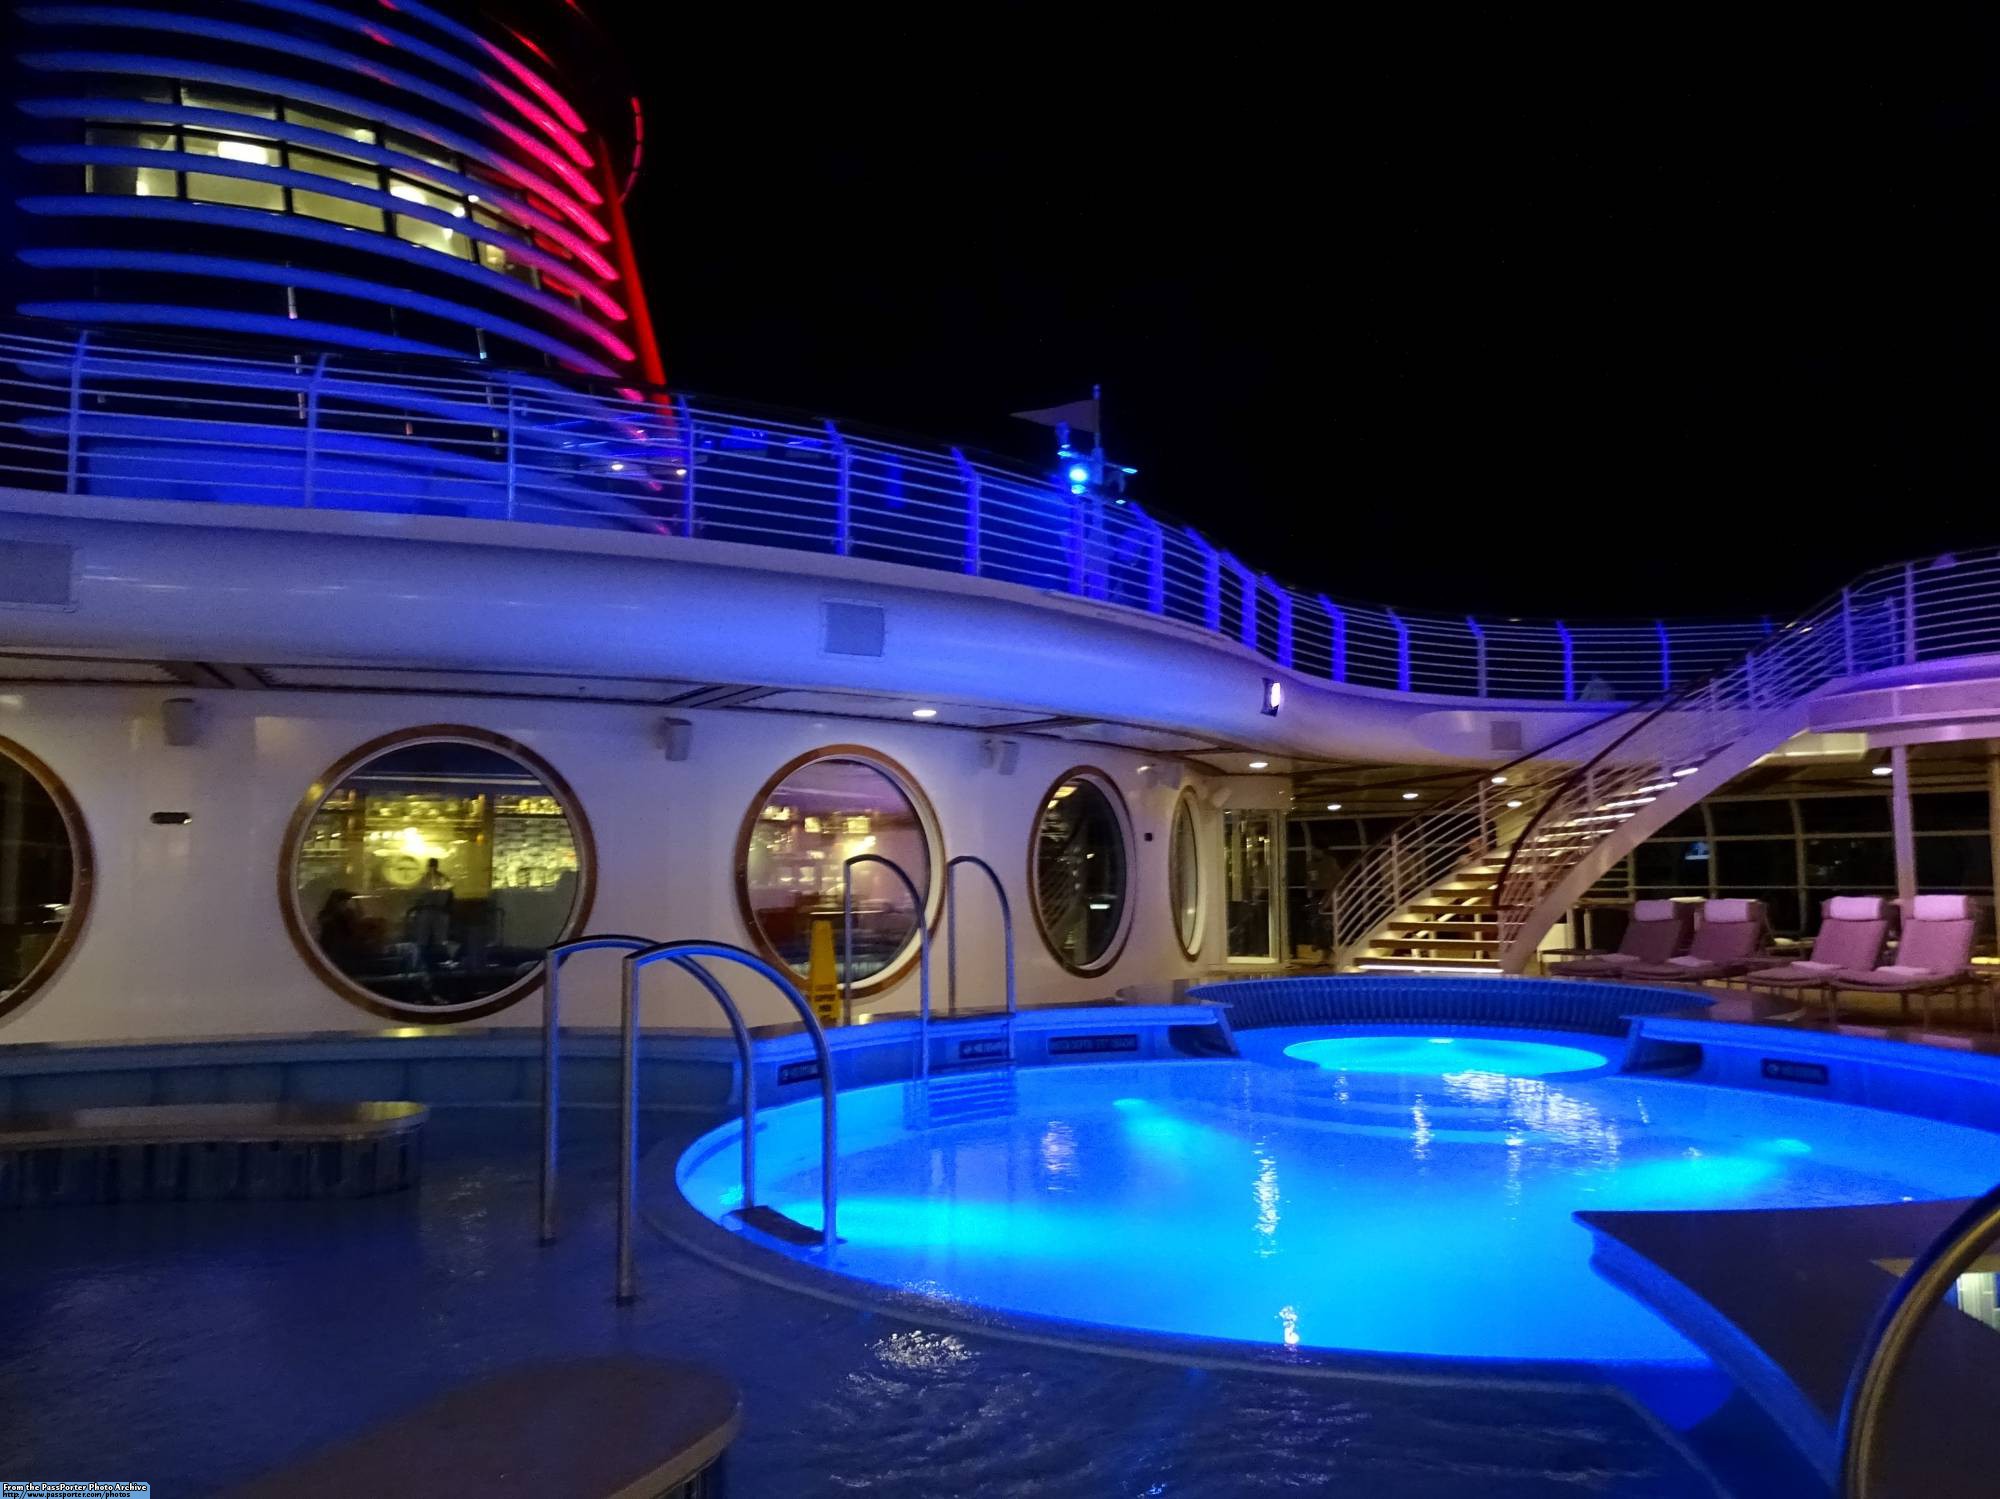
pixel 1883 770
pixel 1260 764
pixel 923 713
pixel 1409 796
pixel 1333 806
pixel 1687 770
pixel 1513 805
pixel 1499 780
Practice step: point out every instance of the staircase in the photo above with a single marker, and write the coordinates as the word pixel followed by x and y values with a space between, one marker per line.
pixel 1452 927
pixel 1476 885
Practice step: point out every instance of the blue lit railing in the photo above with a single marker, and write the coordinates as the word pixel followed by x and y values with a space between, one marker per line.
pixel 129 419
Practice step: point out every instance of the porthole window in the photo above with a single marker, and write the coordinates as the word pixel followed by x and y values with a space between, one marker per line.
pixel 812 817
pixel 1184 877
pixel 1079 871
pixel 428 872
pixel 44 874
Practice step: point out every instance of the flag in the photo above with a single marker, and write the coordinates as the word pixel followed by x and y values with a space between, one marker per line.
pixel 1079 416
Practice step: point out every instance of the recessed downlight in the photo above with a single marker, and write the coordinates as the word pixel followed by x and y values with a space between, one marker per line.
pixel 1409 796
pixel 1260 764
pixel 1333 806
pixel 923 713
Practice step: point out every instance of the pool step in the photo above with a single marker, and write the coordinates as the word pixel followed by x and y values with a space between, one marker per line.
pixel 962 1097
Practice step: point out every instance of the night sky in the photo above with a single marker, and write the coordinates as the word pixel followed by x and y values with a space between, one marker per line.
pixel 1658 318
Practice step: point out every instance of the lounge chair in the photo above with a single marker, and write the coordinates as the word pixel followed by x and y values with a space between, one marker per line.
pixel 1933 954
pixel 1658 929
pixel 1852 929
pixel 1725 945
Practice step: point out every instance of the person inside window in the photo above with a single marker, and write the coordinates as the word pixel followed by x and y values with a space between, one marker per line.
pixel 430 915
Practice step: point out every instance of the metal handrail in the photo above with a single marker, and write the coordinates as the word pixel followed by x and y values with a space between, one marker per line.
pixel 169 419
pixel 553 962
pixel 1843 637
pixel 951 938
pixel 1894 1333
pixel 1584 772
pixel 923 951
pixel 1421 850
pixel 682 954
pixel 1904 615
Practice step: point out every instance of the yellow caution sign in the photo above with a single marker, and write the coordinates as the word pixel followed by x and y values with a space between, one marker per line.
pixel 822 978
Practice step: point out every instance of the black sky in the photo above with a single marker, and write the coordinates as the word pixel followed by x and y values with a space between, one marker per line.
pixel 1627 316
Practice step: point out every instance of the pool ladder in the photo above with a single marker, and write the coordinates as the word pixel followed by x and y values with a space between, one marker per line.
pixel 641 953
pixel 923 1068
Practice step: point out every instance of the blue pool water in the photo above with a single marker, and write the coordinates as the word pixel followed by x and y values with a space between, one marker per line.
pixel 1410 1211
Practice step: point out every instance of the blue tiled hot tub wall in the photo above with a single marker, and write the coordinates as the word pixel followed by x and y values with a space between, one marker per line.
pixel 1398 999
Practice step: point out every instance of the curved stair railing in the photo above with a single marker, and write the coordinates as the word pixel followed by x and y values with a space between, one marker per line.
pixel 1894 1334
pixel 1639 771
pixel 1896 616
pixel 1569 809
pixel 1424 851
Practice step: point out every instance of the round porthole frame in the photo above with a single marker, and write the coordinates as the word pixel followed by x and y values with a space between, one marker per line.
pixel 934 848
pixel 1186 803
pixel 1102 781
pixel 297 928
pixel 82 878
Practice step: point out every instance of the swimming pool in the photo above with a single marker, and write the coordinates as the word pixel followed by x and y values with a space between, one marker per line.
pixel 1394 1190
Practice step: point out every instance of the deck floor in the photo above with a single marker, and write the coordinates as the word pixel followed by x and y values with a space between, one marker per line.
pixel 199 1346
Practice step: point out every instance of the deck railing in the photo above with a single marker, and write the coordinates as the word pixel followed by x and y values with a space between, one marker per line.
pixel 118 416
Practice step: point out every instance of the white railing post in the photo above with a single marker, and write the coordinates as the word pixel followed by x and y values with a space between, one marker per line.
pixel 75 414
pixel 513 438
pixel 687 473
pixel 1336 620
pixel 1402 628
pixel 969 476
pixel 843 514
pixel 1211 583
pixel 1847 630
pixel 1478 654
pixel 1281 603
pixel 312 431
pixel 1909 614
pixel 1156 569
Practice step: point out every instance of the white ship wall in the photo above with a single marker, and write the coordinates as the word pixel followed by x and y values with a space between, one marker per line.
pixel 184 937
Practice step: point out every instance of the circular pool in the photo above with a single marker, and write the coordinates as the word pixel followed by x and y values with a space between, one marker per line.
pixel 1395 1190
pixel 1423 1055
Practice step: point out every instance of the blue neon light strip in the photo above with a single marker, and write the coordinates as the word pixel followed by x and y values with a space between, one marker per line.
pixel 530 113
pixel 225 268
pixel 1336 618
pixel 223 166
pixel 143 112
pixel 261 40
pixel 299 226
pixel 1402 649
pixel 215 318
pixel 291 90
